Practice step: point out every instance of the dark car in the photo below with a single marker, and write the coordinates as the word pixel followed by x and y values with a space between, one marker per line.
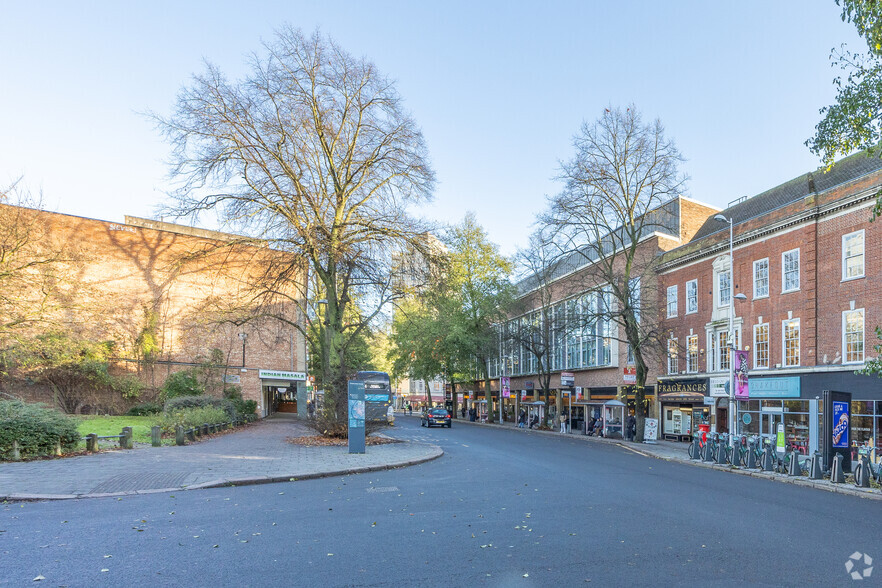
pixel 436 416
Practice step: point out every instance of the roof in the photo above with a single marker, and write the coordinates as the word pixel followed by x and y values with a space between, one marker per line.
pixel 843 171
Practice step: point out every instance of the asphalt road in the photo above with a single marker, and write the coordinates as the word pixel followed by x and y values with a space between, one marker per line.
pixel 500 508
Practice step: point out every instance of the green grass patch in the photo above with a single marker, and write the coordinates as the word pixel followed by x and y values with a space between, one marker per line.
pixel 113 425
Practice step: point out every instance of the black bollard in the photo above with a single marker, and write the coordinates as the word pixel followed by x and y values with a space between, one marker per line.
pixel 862 473
pixel 816 472
pixel 751 455
pixel 793 468
pixel 768 459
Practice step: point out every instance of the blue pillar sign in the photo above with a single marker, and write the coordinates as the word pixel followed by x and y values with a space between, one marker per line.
pixel 356 416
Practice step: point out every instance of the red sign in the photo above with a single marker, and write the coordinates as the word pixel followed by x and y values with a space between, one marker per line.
pixel 630 374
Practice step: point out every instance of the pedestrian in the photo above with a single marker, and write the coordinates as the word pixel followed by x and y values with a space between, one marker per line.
pixel 522 419
pixel 632 427
pixel 463 411
pixel 563 422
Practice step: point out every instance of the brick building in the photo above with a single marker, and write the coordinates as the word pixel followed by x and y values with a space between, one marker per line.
pixel 116 281
pixel 806 259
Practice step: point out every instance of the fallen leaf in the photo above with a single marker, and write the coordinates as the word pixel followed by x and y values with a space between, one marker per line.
pixel 39 579
pixel 104 570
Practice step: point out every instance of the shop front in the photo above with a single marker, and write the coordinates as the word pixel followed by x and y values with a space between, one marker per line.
pixel 774 401
pixel 682 407
pixel 283 391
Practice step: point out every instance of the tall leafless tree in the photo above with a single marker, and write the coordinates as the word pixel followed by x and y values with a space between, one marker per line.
pixel 314 153
pixel 616 187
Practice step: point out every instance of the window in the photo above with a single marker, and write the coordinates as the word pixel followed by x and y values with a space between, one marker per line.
pixel 761 278
pixel 672 356
pixel 761 345
pixel 790 271
pixel 691 296
pixel 692 354
pixel 790 332
pixel 724 288
pixel 719 344
pixel 853 336
pixel 672 301
pixel 853 255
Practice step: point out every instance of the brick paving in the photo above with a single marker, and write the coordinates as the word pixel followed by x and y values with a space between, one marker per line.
pixel 255 454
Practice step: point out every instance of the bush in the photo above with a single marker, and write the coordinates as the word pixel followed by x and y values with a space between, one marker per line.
pixel 37 429
pixel 145 409
pixel 181 384
pixel 243 407
pixel 191 417
pixel 186 402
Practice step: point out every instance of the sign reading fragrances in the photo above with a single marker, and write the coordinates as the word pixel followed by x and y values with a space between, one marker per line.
pixel 277 375
pixel 695 386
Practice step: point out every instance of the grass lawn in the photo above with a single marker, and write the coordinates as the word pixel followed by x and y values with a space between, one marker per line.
pixel 113 425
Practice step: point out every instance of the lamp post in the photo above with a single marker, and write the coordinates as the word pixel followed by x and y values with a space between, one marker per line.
pixel 731 335
pixel 243 336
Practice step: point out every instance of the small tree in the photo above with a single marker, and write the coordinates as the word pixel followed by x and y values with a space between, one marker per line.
pixel 622 174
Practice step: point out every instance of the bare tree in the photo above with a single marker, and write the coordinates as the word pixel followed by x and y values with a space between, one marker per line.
pixel 314 153
pixel 616 187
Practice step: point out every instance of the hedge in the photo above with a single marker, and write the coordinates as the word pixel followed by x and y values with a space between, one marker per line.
pixel 185 402
pixel 37 429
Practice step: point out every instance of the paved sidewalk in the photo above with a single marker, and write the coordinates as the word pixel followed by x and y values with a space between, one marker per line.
pixel 256 454
pixel 677 452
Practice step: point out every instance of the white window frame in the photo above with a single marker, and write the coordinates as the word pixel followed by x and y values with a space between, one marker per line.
pixel 784 343
pixel 692 360
pixel 784 288
pixel 692 301
pixel 756 362
pixel 845 359
pixel 672 301
pixel 673 356
pixel 720 303
pixel 863 256
pixel 755 263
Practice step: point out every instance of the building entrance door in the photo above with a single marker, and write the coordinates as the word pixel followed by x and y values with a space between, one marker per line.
pixel 770 422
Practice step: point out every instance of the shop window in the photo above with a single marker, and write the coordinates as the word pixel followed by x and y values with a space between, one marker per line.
pixel 790 333
pixel 692 354
pixel 672 356
pixel 761 278
pixel 853 336
pixel 672 301
pixel 691 296
pixel 761 345
pixel 853 255
pixel 790 271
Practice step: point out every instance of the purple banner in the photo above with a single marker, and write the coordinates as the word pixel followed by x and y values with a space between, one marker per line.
pixel 742 391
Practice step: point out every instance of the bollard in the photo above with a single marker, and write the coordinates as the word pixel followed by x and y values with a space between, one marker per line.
pixel 92 442
pixel 16 451
pixel 836 474
pixel 191 434
pixel 205 428
pixel 793 468
pixel 179 435
pixel 751 455
pixel 58 451
pixel 768 460
pixel 862 473
pixel 126 441
pixel 156 436
pixel 816 472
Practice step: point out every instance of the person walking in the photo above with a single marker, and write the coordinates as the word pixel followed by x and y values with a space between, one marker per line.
pixel 522 419
pixel 632 427
pixel 563 422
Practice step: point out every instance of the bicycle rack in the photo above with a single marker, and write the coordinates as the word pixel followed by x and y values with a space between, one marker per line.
pixel 696 448
pixel 721 452
pixel 768 463
pixel 751 455
pixel 836 474
pixel 793 468
pixel 708 451
pixel 816 471
pixel 862 479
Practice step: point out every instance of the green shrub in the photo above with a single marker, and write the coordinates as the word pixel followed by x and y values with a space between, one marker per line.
pixel 180 384
pixel 186 402
pixel 243 407
pixel 145 409
pixel 191 417
pixel 128 386
pixel 37 429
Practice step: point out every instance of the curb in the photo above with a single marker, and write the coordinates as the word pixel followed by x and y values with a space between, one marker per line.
pixel 231 482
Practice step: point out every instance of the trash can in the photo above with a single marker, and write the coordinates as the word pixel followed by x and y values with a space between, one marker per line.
pixel 704 429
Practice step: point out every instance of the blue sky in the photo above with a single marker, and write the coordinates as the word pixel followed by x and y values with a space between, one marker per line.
pixel 499 89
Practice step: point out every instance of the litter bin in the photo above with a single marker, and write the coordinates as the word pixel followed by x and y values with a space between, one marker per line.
pixel 704 429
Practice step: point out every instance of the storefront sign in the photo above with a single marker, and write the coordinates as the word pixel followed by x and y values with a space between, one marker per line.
pixel 774 387
pixel 578 392
pixel 528 384
pixel 232 379
pixel 709 400
pixel 718 387
pixel 277 375
pixel 695 386
pixel 567 379
pixel 629 375
pixel 741 388
pixel 650 429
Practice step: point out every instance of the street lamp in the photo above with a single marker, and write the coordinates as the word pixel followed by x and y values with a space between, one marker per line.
pixel 731 338
pixel 243 336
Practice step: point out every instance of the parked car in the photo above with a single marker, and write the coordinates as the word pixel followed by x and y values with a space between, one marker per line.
pixel 436 416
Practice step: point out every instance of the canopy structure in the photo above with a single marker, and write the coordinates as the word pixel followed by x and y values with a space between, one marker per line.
pixel 613 418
